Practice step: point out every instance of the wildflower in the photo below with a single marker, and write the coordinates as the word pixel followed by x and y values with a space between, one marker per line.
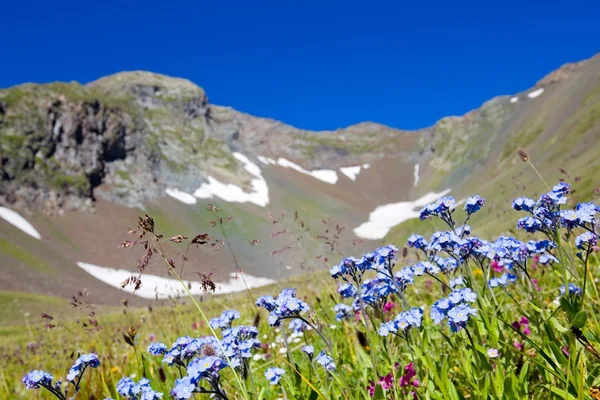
pixel 529 224
pixel 473 204
pixel 523 204
pixel 157 348
pixel 224 320
pixel 326 361
pixel 309 350
pixel 347 290
pixel 573 290
pixel 274 375
pixel 205 368
pixel 409 373
pixel 388 307
pixel 184 389
pixel 459 280
pixel 417 241
pixel 36 378
pixel 492 353
pixel 267 302
pixel 137 391
pixel 342 311
pixel 286 305
pixel 586 240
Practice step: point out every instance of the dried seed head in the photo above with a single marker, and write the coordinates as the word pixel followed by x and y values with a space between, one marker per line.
pixel 207 350
pixel 523 154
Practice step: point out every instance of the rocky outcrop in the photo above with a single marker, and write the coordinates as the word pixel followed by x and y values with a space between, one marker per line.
pixel 127 136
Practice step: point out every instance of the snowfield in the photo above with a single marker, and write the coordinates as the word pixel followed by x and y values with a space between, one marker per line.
pixel 416 175
pixel 384 218
pixel 325 175
pixel 351 172
pixel 235 194
pixel 180 195
pixel 19 222
pixel 156 286
pixel 535 93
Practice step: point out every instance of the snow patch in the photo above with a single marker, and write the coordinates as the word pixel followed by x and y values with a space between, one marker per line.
pixel 153 285
pixel 180 195
pixel 325 175
pixel 416 175
pixel 235 194
pixel 266 160
pixel 351 172
pixel 19 222
pixel 514 99
pixel 384 218
pixel 535 93
pixel 366 166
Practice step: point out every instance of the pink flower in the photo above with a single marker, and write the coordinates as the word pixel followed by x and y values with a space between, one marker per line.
pixel 518 345
pixel 524 321
pixel 526 330
pixel 357 316
pixel 565 350
pixel 496 267
pixel 409 373
pixel 387 381
pixel 371 388
pixel 388 307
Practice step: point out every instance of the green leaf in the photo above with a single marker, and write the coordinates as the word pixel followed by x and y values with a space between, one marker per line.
pixel 580 319
pixel 378 393
pixel 313 395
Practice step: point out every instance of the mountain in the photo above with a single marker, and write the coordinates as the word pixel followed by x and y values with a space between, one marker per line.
pixel 80 163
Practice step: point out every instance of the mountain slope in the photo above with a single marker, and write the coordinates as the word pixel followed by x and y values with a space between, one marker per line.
pixel 81 162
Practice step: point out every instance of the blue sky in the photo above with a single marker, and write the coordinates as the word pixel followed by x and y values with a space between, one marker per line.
pixel 312 64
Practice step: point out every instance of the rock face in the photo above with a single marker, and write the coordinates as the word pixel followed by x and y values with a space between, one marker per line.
pixel 132 132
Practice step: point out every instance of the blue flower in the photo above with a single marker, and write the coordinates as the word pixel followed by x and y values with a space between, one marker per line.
pixel 224 320
pixel 530 224
pixel 474 204
pixel 326 361
pixel 347 290
pixel 157 348
pixel 573 290
pixel 586 240
pixel 274 375
pixel 309 350
pixel 184 389
pixel 342 311
pixel 523 204
pixel 267 302
pixel 417 241
pixel 458 281
pixel 137 391
pixel 36 378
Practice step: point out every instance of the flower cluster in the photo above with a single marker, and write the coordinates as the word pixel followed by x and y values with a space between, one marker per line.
pixel 184 349
pixel 574 290
pixel 456 308
pixel 224 320
pixel 84 361
pixel 326 361
pixel 286 305
pixel 442 208
pixel 239 342
pixel 40 379
pixel 137 391
pixel 36 379
pixel 274 375
pixel 342 311
pixel 402 323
